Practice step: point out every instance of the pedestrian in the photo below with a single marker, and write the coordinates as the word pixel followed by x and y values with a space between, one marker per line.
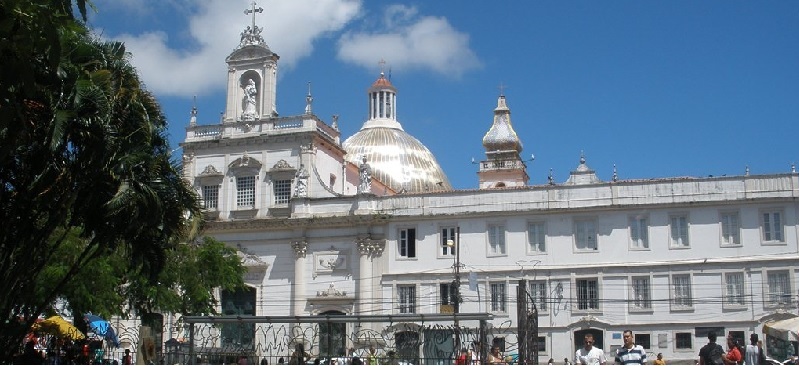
pixel 127 359
pixel 733 355
pixel 630 353
pixel 551 361
pixel 371 357
pixel 711 353
pixel 752 352
pixel 659 360
pixel 495 357
pixel 566 361
pixel 462 357
pixel 589 355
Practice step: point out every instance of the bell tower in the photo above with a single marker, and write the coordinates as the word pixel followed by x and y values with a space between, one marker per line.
pixel 252 76
pixel 503 166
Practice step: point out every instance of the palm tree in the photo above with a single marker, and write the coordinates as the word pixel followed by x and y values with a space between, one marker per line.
pixel 83 152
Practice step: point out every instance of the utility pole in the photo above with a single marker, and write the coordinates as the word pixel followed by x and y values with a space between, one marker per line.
pixel 457 289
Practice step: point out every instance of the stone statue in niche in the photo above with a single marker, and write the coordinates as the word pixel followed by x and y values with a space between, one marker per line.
pixel 249 103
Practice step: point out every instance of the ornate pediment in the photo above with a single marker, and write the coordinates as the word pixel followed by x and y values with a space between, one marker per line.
pixel 331 291
pixel 282 165
pixel 245 162
pixel 210 171
pixel 255 266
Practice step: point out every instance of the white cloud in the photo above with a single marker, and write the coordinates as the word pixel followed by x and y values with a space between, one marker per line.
pixel 411 42
pixel 197 68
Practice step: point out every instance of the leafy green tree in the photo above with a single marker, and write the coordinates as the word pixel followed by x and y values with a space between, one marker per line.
pixel 86 173
pixel 185 285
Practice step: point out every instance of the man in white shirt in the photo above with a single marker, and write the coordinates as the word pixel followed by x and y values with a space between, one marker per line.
pixel 752 355
pixel 589 355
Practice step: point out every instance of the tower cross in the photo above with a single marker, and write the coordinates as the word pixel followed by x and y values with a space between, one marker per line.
pixel 382 64
pixel 502 89
pixel 253 11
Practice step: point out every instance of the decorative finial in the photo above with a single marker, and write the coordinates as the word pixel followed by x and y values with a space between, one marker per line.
pixel 746 173
pixel 308 100
pixel 501 89
pixel 793 167
pixel 582 157
pixel 551 177
pixel 221 117
pixel 193 119
pixel 615 174
pixel 335 122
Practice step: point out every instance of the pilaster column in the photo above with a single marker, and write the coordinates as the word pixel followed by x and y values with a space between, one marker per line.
pixel 368 249
pixel 298 302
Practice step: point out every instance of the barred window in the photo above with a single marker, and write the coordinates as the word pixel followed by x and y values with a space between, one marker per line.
pixel 211 197
pixel 734 294
pixel 779 288
pixel 587 294
pixel 641 293
pixel 498 298
pixel 407 299
pixel 681 286
pixel 282 189
pixel 538 292
pixel 245 191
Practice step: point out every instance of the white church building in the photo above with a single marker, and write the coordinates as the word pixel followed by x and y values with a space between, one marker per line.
pixel 369 225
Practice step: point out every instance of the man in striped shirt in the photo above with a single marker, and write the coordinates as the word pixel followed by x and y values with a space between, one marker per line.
pixel 630 353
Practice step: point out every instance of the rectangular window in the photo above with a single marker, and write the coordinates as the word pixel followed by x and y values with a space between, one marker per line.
pixel 730 229
pixel 542 345
pixel 211 197
pixel 245 191
pixel 498 298
pixel 585 234
pixel 407 243
pixel 734 289
pixel 679 230
pixel 641 293
pixel 282 191
pixel 779 288
pixel 738 336
pixel 538 293
pixel 446 293
pixel 681 291
pixel 448 241
pixel 587 294
pixel 639 232
pixel 772 226
pixel 536 237
pixel 643 340
pixel 407 299
pixel 684 340
pixel 496 239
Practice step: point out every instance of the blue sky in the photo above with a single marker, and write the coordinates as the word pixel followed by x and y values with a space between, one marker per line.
pixel 658 88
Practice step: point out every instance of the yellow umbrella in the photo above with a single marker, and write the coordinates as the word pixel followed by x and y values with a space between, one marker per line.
pixel 57 326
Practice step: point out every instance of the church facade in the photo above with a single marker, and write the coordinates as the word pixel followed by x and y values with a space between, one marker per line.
pixel 370 225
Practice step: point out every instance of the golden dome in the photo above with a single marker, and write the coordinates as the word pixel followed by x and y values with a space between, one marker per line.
pixel 396 158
